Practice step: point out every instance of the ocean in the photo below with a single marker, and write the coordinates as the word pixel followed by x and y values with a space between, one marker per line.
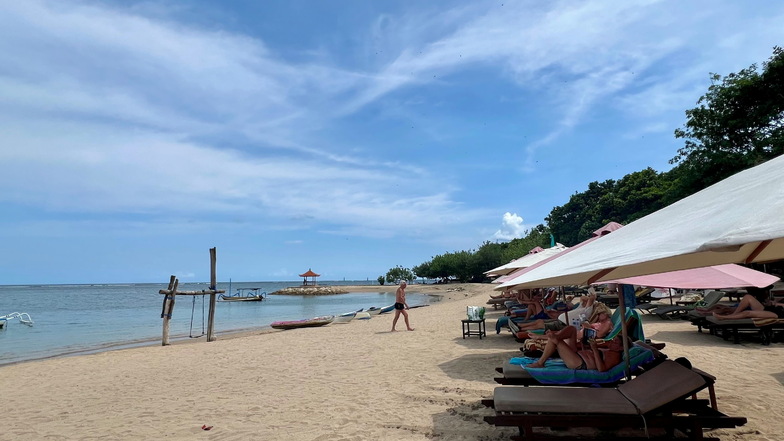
pixel 82 319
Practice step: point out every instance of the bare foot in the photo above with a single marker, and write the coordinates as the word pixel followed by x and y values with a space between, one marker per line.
pixel 393 330
pixel 534 365
pixel 410 329
pixel 718 316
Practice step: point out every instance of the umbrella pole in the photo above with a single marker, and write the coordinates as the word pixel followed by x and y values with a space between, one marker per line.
pixel 566 312
pixel 624 334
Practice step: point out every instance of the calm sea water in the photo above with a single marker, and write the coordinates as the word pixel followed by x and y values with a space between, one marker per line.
pixel 79 319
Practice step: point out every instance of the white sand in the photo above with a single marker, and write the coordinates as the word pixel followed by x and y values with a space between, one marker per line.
pixel 341 382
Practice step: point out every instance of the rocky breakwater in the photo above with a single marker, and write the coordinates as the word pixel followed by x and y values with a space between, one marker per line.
pixel 310 291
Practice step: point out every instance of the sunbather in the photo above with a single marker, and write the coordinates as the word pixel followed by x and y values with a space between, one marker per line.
pixel 505 294
pixel 595 358
pixel 529 305
pixel 599 316
pixel 750 307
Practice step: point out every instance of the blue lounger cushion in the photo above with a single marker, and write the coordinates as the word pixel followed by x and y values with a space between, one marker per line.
pixel 556 372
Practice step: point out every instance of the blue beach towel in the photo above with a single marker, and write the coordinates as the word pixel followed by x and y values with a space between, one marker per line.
pixel 556 372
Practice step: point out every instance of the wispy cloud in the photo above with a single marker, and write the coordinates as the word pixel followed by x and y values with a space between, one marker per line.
pixel 125 110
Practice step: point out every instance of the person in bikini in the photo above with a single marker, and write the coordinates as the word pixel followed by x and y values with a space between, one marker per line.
pixel 586 304
pixel 600 322
pixel 401 306
pixel 595 358
pixel 751 307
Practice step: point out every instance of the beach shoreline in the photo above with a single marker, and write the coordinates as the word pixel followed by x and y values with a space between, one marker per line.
pixel 356 381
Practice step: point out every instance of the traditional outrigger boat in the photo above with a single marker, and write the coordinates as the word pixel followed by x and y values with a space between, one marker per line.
pixel 24 318
pixel 306 323
pixel 346 317
pixel 386 309
pixel 245 295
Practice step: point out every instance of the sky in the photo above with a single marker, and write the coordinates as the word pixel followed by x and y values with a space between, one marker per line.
pixel 348 137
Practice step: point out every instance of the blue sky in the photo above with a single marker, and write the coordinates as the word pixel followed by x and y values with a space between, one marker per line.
pixel 347 137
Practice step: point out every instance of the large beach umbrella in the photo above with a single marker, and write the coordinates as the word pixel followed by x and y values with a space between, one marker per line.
pixel 535 255
pixel 737 220
pixel 601 232
pixel 711 277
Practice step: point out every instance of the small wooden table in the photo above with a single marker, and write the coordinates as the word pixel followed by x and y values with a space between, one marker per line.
pixel 481 330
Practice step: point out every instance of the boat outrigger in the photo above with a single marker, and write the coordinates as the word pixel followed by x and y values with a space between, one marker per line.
pixel 24 318
pixel 245 295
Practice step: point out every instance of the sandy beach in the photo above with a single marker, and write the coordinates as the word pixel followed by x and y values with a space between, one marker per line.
pixel 356 381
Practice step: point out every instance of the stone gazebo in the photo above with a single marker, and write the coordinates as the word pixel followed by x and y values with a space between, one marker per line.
pixel 312 275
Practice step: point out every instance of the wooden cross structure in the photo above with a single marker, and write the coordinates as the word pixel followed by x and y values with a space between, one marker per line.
pixel 171 294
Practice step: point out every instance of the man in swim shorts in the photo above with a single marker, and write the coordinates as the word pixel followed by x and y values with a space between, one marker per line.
pixel 401 306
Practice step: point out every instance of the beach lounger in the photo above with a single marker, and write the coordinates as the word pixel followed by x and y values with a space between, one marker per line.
pixel 671 311
pixel 656 399
pixel 633 328
pixel 648 307
pixel 499 301
pixel 765 327
pixel 642 295
pixel 555 372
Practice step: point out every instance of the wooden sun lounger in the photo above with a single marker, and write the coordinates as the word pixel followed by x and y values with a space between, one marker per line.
pixel 655 399
pixel 515 374
pixel 669 312
pixel 733 328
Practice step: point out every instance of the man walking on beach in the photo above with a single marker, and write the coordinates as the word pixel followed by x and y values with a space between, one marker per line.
pixel 401 306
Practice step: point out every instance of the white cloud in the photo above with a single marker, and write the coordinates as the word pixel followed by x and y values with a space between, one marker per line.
pixel 512 227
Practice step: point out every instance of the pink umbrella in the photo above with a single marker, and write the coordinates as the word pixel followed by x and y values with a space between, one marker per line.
pixel 710 277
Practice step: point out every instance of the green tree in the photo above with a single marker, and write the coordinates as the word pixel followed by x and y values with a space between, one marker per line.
pixel 380 280
pixel 630 198
pixel 737 124
pixel 538 236
pixel 398 273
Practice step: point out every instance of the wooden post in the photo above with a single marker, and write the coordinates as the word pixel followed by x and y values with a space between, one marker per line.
pixel 213 287
pixel 624 333
pixel 168 309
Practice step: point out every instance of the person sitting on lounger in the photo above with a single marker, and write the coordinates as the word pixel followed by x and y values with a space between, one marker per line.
pixel 750 307
pixel 595 358
pixel 528 304
pixel 599 320
pixel 505 294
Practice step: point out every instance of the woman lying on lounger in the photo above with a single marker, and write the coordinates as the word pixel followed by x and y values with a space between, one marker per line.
pixel 599 322
pixel 585 307
pixel 595 358
pixel 750 307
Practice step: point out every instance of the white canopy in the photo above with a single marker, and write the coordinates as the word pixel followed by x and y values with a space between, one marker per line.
pixel 737 220
pixel 526 261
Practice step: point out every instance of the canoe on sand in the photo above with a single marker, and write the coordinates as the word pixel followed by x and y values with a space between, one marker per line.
pixel 306 323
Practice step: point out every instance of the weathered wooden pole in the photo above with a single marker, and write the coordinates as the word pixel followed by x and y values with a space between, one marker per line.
pixel 213 288
pixel 624 332
pixel 168 308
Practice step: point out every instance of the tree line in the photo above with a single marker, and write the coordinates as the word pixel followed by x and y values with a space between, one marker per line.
pixel 737 124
